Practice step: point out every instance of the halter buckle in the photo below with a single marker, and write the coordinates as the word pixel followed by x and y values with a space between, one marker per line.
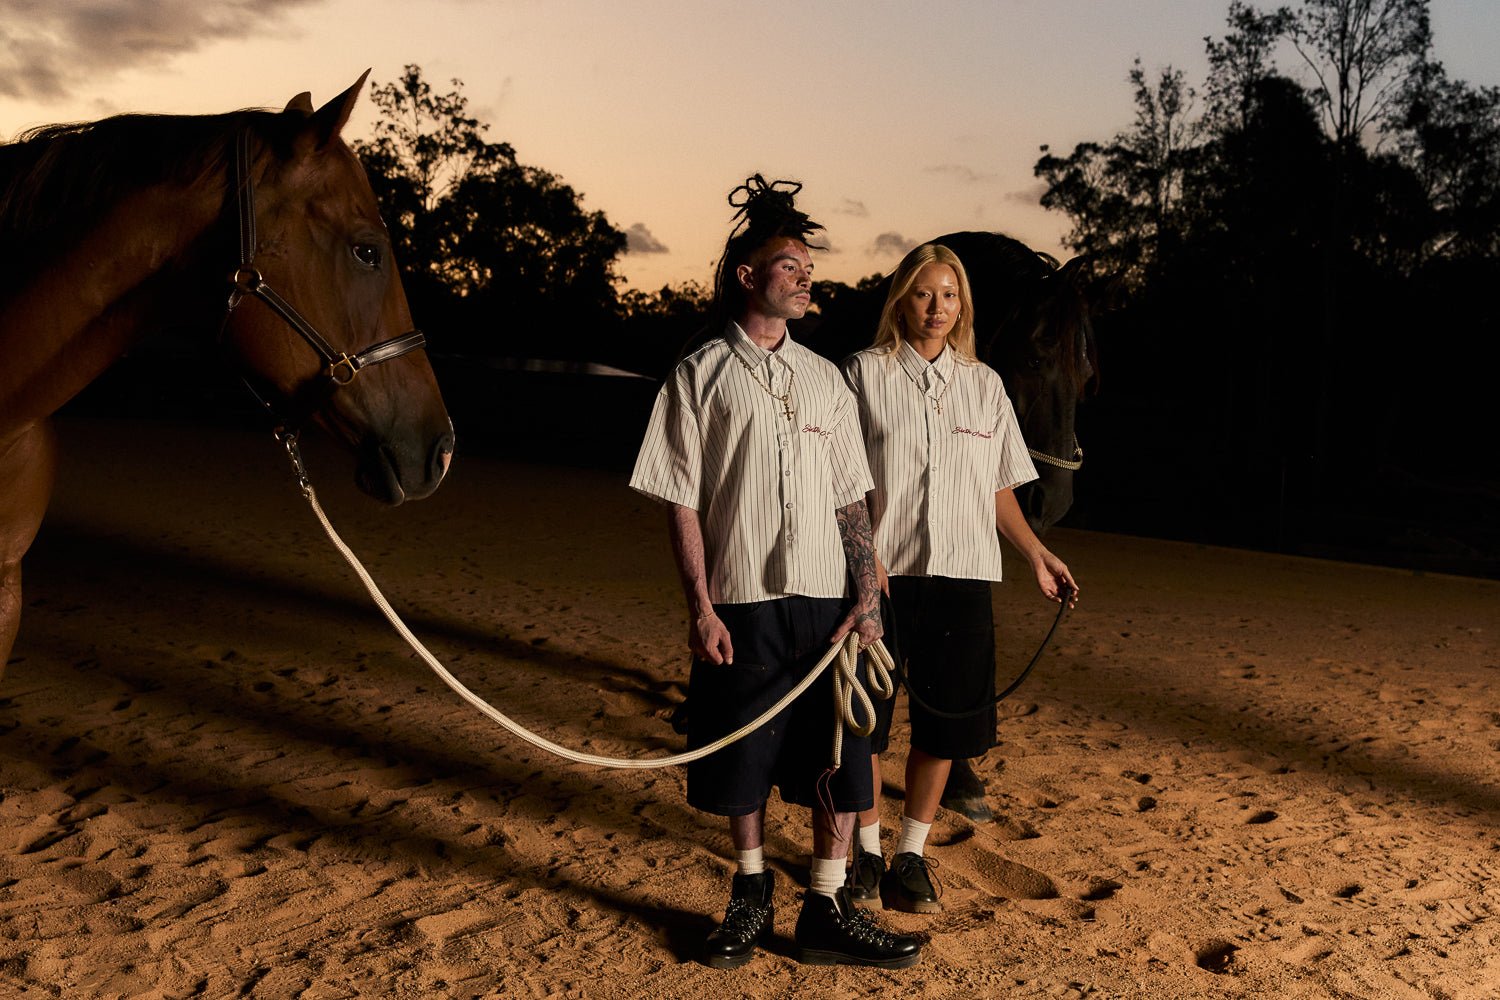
pixel 343 369
pixel 246 281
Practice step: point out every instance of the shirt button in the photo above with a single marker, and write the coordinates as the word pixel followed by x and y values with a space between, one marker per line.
pixel 788 472
pixel 790 505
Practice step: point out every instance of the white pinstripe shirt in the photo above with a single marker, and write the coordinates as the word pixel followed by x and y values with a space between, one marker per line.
pixel 765 486
pixel 936 474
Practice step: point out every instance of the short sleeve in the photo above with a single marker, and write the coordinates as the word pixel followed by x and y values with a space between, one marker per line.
pixel 1014 467
pixel 669 466
pixel 846 446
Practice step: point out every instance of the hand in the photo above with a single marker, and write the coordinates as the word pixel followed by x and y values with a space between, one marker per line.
pixel 1053 578
pixel 881 578
pixel 708 638
pixel 864 621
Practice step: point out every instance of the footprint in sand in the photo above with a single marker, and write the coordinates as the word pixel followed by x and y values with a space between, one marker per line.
pixel 1005 878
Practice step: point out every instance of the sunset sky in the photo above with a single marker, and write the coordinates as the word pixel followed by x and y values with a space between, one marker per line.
pixel 904 120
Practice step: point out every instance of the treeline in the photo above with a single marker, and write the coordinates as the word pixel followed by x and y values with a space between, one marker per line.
pixel 1301 264
pixel 500 258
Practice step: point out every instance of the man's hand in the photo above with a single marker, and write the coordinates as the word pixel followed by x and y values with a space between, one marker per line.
pixel 708 638
pixel 864 622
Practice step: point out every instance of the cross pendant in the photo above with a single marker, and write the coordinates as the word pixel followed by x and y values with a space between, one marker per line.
pixel 786 405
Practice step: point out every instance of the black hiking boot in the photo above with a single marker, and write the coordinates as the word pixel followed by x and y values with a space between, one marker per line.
pixel 834 931
pixel 909 886
pixel 746 920
pixel 863 882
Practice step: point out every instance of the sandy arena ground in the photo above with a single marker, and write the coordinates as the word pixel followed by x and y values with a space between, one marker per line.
pixel 222 774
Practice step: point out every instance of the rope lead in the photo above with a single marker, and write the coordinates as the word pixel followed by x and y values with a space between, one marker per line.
pixel 846 685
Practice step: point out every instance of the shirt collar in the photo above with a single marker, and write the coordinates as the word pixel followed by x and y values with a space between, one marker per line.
pixel 917 366
pixel 755 356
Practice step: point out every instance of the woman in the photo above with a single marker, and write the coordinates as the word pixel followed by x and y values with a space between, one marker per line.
pixel 946 453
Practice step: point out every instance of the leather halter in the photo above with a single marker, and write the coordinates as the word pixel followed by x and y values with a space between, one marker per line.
pixel 339 368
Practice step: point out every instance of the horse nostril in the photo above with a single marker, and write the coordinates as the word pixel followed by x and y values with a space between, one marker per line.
pixel 442 456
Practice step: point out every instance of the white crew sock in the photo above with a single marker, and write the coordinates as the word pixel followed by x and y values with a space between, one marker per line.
pixel 869 838
pixel 913 836
pixel 751 862
pixel 827 876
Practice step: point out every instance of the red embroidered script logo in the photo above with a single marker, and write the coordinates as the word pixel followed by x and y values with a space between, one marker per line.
pixel 810 429
pixel 965 430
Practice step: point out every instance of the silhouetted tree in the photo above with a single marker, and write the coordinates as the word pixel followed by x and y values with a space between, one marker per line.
pixel 1239 62
pixel 493 248
pixel 1361 53
pixel 1448 134
pixel 1123 197
pixel 1308 263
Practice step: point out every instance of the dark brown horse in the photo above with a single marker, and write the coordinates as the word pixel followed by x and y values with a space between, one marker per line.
pixel 113 230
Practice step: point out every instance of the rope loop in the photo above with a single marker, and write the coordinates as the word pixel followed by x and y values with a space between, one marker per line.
pixel 846 688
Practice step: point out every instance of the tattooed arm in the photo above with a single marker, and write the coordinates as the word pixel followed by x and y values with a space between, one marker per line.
pixel 859 553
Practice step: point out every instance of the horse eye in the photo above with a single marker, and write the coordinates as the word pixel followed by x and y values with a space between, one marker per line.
pixel 367 254
pixel 1035 364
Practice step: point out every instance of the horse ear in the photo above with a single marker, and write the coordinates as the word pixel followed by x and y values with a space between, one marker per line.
pixel 302 102
pixel 1074 272
pixel 328 120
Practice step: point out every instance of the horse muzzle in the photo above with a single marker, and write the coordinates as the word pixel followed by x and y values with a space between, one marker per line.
pixel 394 472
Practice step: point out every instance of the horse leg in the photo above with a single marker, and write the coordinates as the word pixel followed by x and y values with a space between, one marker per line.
pixel 28 464
pixel 964 793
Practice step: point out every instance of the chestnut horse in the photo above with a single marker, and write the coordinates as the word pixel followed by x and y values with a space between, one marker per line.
pixel 112 230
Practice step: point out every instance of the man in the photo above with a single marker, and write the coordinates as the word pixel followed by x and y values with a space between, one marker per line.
pixel 754 445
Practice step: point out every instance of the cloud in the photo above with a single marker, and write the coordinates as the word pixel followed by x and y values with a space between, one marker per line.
pixel 891 244
pixel 850 206
pixel 49 49
pixel 1028 196
pixel 959 172
pixel 638 239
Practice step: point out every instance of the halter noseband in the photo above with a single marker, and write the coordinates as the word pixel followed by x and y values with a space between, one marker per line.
pixel 339 368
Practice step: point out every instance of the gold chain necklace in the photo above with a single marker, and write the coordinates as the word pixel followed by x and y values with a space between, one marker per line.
pixel 937 400
pixel 785 399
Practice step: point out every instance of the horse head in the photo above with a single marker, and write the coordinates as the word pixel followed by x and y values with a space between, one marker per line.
pixel 319 242
pixel 1042 348
pixel 1032 326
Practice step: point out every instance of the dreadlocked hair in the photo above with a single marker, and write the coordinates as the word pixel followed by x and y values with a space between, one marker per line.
pixel 766 212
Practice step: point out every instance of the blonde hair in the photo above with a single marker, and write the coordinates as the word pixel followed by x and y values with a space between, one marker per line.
pixel 889 333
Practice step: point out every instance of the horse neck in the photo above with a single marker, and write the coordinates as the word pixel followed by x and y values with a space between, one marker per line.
pixel 102 295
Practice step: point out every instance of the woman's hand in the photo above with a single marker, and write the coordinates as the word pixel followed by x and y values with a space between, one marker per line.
pixel 1053 578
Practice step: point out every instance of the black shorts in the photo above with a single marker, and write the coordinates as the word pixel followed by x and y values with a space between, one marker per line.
pixel 942 632
pixel 775 643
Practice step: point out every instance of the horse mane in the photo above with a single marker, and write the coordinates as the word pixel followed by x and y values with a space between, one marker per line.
pixel 57 181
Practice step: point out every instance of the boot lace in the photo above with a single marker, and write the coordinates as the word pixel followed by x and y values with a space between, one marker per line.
pixel 744 916
pixel 923 867
pixel 860 927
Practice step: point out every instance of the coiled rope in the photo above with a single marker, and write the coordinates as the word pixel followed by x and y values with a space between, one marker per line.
pixel 846 686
